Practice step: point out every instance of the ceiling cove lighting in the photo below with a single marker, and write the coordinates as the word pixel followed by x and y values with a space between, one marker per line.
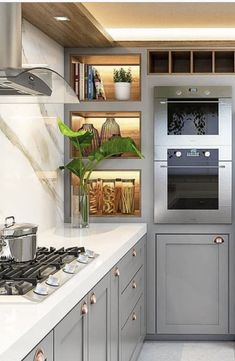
pixel 148 34
pixel 61 18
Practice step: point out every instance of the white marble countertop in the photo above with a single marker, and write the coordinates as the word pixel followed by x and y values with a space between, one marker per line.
pixel 24 323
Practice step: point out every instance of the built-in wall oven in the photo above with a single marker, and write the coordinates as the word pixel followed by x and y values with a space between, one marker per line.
pixel 193 170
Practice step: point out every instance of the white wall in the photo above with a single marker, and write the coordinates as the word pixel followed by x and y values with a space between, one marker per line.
pixel 30 144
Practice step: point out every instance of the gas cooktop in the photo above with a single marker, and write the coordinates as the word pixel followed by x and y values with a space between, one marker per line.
pixel 37 279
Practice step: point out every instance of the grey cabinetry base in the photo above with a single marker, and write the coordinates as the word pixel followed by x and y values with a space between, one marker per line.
pixel 192 284
pixel 70 336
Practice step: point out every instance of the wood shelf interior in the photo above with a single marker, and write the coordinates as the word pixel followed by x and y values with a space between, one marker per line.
pixel 224 61
pixel 113 175
pixel 180 61
pixel 129 123
pixel 159 62
pixel 105 64
pixel 202 62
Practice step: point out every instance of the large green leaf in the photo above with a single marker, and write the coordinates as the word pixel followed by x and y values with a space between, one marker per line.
pixel 66 131
pixel 115 146
pixel 83 140
pixel 76 166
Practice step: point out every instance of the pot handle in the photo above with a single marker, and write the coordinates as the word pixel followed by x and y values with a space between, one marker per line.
pixel 8 225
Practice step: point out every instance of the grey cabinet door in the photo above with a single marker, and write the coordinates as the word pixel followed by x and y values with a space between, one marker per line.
pixel 114 329
pixel 44 348
pixel 99 321
pixel 192 284
pixel 70 335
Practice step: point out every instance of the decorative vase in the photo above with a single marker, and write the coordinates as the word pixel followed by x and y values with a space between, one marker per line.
pixel 109 129
pixel 122 90
pixel 95 143
pixel 79 207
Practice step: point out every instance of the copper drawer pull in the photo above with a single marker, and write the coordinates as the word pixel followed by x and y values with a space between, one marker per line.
pixel 93 299
pixel 116 272
pixel 134 285
pixel 134 317
pixel 219 240
pixel 84 309
pixel 134 253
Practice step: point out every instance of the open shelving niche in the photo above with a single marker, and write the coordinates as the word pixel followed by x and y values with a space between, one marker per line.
pixel 113 175
pixel 129 123
pixel 105 65
pixel 191 62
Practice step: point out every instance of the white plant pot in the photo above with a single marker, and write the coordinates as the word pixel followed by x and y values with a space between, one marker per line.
pixel 122 91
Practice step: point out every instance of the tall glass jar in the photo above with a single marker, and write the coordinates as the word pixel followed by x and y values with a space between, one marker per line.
pixel 93 201
pixel 128 196
pixel 108 206
pixel 79 207
pixel 118 194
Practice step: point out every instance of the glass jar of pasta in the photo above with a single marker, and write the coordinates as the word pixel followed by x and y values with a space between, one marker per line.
pixel 108 192
pixel 128 196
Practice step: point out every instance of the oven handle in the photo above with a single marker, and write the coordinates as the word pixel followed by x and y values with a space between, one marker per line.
pixel 191 166
pixel 191 101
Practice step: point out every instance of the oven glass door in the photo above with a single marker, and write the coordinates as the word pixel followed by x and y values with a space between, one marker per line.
pixel 193 179
pixel 193 117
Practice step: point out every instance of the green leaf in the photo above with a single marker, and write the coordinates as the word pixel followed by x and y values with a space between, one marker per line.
pixel 115 146
pixel 76 166
pixel 84 140
pixel 66 131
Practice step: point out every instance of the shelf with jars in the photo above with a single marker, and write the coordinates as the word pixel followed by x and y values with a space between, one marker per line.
pixel 104 126
pixel 113 192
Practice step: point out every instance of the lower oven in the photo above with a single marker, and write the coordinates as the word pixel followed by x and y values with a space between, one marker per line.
pixel 193 186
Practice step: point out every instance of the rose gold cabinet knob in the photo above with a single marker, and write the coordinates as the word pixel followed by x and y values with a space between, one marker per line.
pixel 116 272
pixel 218 240
pixel 93 299
pixel 84 309
pixel 134 253
pixel 134 317
pixel 134 285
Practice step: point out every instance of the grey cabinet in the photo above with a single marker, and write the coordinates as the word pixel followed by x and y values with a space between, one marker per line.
pixel 70 335
pixel 43 349
pixel 128 327
pixel 192 284
pixel 99 321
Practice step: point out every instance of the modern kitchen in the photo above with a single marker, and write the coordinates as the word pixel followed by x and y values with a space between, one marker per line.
pixel 116 203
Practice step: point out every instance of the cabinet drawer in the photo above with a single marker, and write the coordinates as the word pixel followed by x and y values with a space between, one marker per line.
pixel 131 294
pixel 43 349
pixel 131 263
pixel 132 332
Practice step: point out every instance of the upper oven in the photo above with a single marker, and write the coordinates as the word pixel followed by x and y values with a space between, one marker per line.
pixel 193 116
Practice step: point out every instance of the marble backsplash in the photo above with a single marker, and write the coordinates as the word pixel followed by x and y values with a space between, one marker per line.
pixel 31 147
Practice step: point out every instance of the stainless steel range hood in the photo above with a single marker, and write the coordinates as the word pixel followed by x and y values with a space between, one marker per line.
pixel 24 85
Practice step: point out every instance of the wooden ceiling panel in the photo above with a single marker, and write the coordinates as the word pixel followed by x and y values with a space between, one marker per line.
pixel 81 31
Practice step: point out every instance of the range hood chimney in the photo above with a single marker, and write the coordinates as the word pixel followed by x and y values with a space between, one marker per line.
pixel 19 85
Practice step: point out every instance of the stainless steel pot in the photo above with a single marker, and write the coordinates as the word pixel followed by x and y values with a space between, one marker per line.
pixel 18 241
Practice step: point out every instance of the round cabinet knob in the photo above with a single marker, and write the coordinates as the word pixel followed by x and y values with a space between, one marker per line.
pixel 219 240
pixel 134 317
pixel 134 253
pixel 134 285
pixel 93 299
pixel 178 92
pixel 39 355
pixel 84 309
pixel 116 272
pixel 207 92
pixel 207 154
pixel 178 154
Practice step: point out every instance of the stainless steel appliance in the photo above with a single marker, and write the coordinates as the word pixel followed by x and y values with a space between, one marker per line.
pixel 18 241
pixel 37 279
pixel 193 186
pixel 193 116
pixel 193 154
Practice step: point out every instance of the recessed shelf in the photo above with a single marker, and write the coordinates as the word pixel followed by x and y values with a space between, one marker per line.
pixel 82 65
pixel 224 61
pixel 202 62
pixel 128 123
pixel 113 193
pixel 180 61
pixel 159 62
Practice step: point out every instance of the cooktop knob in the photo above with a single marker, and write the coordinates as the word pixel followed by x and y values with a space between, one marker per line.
pixel 83 258
pixel 207 92
pixel 178 154
pixel 70 268
pixel 52 281
pixel 89 253
pixel 178 92
pixel 41 290
pixel 207 154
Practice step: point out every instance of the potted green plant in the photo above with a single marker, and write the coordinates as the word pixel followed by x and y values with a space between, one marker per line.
pixel 122 83
pixel 83 168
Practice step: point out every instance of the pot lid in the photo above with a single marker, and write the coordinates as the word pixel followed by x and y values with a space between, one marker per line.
pixel 13 229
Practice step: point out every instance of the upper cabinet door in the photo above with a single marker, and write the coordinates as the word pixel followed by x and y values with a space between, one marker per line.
pixel 99 321
pixel 70 335
pixel 43 351
pixel 192 284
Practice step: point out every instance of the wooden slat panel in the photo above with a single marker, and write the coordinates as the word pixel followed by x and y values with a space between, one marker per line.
pixel 81 31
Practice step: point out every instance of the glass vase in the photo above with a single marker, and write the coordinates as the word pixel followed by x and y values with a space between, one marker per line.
pixel 79 207
pixel 95 140
pixel 109 129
